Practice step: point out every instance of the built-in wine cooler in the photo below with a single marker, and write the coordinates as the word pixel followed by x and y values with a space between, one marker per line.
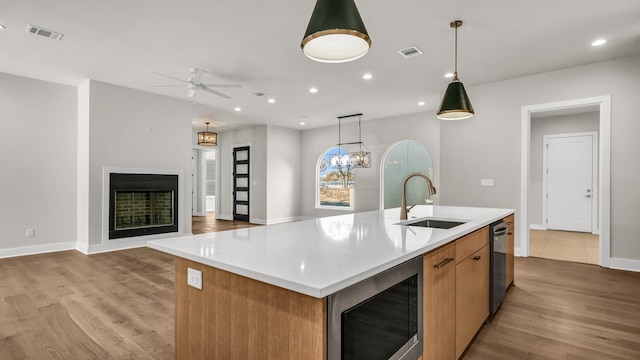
pixel 378 318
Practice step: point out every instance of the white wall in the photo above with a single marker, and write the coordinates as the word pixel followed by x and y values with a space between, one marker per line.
pixel 378 135
pixel 274 172
pixel 283 175
pixel 256 138
pixel 118 137
pixel 38 160
pixel 488 145
pixel 548 126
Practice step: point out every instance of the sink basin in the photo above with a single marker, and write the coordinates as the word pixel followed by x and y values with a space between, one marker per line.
pixel 435 223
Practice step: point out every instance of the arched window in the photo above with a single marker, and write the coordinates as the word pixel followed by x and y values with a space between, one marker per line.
pixel 336 180
pixel 401 159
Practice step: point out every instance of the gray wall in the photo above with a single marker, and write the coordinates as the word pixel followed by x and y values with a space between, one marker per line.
pixel 378 135
pixel 283 175
pixel 118 119
pixel 549 126
pixel 38 158
pixel 488 145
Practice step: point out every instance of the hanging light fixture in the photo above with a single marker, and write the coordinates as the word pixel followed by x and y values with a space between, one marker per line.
pixel 207 138
pixel 358 159
pixel 335 32
pixel 455 103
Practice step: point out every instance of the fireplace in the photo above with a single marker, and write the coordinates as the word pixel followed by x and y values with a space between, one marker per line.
pixel 142 204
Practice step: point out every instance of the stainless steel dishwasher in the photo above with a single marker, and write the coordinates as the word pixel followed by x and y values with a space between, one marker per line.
pixel 498 245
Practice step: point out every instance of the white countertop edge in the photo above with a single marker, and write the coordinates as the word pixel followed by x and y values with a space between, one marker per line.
pixel 321 292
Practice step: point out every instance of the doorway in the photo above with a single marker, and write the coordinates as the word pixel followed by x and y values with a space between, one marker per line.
pixel 531 218
pixel 241 183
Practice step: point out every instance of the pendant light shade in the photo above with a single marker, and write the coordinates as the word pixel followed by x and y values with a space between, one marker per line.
pixel 335 33
pixel 455 103
pixel 207 138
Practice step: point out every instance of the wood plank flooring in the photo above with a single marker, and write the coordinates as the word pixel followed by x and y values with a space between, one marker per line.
pixel 66 305
pixel 120 305
pixel 208 224
pixel 564 310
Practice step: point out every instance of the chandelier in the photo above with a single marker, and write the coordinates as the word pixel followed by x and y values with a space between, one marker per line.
pixel 207 138
pixel 358 159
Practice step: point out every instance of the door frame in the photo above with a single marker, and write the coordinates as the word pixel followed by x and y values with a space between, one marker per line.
pixel 233 186
pixel 594 176
pixel 604 173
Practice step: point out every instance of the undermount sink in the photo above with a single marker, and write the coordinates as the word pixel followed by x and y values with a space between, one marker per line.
pixel 436 223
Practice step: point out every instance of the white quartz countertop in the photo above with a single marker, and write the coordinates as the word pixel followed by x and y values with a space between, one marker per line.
pixel 318 257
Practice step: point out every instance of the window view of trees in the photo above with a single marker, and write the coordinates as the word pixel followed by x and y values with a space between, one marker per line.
pixel 336 179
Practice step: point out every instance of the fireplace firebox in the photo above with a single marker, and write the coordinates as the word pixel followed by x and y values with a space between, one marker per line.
pixel 142 204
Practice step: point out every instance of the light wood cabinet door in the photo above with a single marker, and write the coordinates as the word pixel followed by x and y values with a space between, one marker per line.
pixel 472 297
pixel 510 249
pixel 439 303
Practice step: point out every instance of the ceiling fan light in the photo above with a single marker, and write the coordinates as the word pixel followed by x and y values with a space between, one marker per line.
pixel 335 33
pixel 455 104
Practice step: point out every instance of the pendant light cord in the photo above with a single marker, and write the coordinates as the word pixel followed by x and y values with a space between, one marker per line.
pixel 455 72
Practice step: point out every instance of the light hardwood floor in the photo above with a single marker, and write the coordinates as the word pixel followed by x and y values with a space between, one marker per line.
pixel 120 305
pixel 564 245
pixel 208 224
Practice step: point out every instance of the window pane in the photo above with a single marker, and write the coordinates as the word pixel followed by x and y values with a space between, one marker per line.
pixel 336 179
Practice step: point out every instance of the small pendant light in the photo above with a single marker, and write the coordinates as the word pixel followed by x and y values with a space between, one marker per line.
pixel 207 138
pixel 335 32
pixel 455 103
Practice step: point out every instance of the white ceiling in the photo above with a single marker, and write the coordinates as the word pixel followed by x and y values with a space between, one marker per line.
pixel 257 44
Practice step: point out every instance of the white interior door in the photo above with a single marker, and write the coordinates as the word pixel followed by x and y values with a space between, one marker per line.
pixel 570 181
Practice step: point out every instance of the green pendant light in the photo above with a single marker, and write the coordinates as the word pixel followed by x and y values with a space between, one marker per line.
pixel 455 103
pixel 335 33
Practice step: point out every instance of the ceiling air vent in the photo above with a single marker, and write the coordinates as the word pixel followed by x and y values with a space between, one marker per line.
pixel 410 52
pixel 44 32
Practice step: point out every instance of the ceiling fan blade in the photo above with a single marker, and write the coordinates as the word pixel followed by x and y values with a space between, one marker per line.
pixel 166 85
pixel 170 77
pixel 202 87
pixel 222 85
pixel 191 92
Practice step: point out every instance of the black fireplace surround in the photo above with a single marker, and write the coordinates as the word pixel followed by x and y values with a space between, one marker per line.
pixel 142 204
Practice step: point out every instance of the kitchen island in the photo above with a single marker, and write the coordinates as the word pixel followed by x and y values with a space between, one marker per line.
pixel 264 288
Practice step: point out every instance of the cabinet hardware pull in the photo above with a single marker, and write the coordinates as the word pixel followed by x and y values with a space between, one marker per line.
pixel 477 257
pixel 443 263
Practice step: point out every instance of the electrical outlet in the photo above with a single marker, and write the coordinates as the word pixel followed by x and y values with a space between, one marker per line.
pixel 486 182
pixel 194 278
pixel 30 233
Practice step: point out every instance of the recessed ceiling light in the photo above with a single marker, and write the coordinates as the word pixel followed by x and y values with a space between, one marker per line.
pixel 313 90
pixel 367 76
pixel 302 123
pixel 237 108
pixel 448 75
pixel 421 103
pixel 599 42
pixel 271 100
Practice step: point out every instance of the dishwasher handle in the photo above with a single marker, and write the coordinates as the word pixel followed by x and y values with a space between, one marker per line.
pixel 500 229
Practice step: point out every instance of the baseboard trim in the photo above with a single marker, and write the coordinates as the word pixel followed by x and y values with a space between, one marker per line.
pixel 115 245
pixel 537 227
pixel 285 220
pixel 517 251
pixel 624 264
pixel 36 249
pixel 225 217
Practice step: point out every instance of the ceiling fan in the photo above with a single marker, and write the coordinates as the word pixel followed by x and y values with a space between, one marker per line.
pixel 194 83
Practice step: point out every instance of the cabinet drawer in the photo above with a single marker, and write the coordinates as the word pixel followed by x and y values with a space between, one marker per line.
pixel 467 245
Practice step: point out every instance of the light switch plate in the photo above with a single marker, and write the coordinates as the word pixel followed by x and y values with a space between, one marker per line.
pixel 194 278
pixel 486 182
